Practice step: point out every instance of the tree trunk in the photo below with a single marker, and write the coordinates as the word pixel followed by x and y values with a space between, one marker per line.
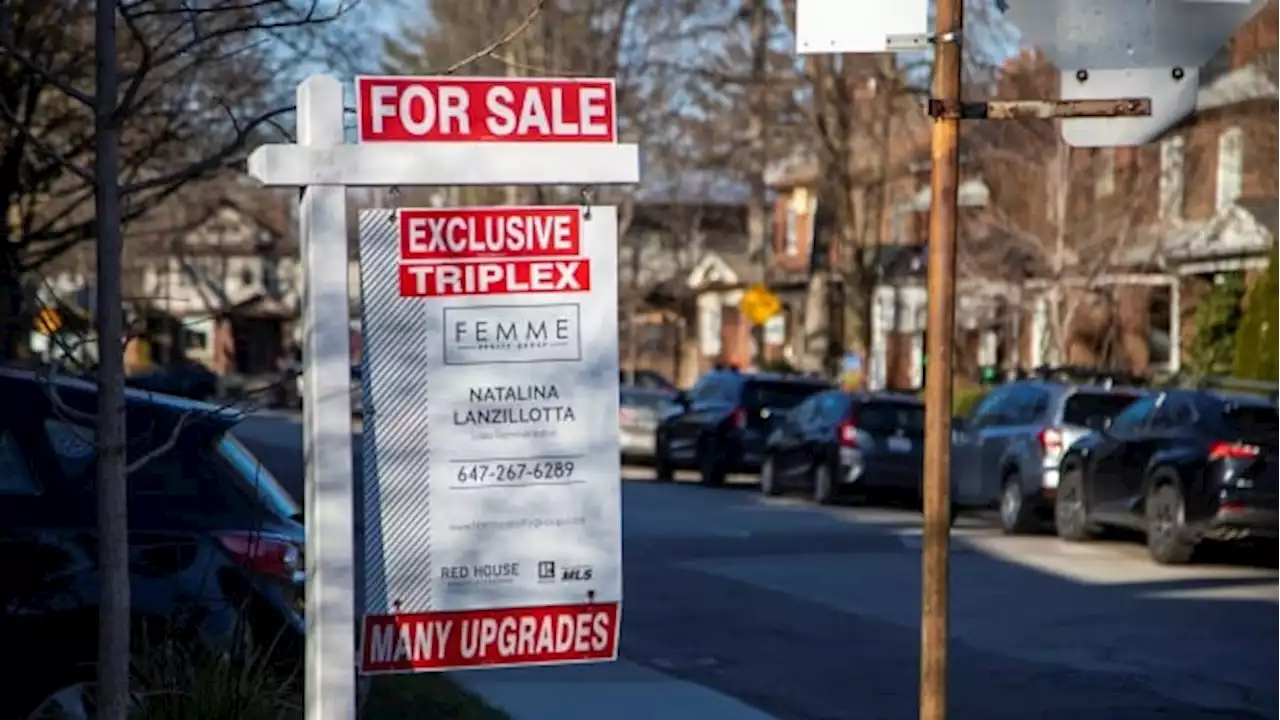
pixel 15 316
pixel 113 521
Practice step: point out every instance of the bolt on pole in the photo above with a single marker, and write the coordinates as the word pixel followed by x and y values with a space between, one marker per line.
pixel 944 181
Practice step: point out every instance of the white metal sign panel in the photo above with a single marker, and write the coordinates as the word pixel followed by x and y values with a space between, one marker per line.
pixel 491 458
pixel 1172 94
pixel 1129 49
pixel 856 26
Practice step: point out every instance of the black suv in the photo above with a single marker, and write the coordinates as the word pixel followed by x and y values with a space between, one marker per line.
pixel 215 544
pixel 720 425
pixel 1181 465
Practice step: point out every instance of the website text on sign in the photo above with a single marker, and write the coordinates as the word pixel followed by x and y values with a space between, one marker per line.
pixel 405 109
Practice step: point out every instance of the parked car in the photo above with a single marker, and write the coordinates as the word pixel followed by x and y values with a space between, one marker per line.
pixel 215 544
pixel 836 442
pixel 719 426
pixel 356 388
pixel 1007 452
pixel 185 379
pixel 1183 466
pixel 646 380
pixel 638 413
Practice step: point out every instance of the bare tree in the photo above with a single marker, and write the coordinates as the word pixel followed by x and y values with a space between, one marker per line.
pixel 174 95
pixel 198 84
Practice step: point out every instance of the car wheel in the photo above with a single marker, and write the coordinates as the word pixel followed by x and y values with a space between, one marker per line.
pixel 1166 526
pixel 710 465
pixel 1070 514
pixel 1015 517
pixel 663 470
pixel 768 482
pixel 824 492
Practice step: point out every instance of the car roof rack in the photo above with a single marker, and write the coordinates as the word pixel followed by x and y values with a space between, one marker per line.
pixel 1269 390
pixel 1092 375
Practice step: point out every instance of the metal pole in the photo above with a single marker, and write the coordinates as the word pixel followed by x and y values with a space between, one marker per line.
pixel 329 502
pixel 113 519
pixel 949 22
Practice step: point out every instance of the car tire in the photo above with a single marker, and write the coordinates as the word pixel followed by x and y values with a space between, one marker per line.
pixel 710 465
pixel 1016 518
pixel 1166 524
pixel 1070 511
pixel 768 481
pixel 663 470
pixel 824 489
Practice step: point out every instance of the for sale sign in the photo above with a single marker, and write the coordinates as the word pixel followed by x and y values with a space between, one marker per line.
pixel 452 109
pixel 492 506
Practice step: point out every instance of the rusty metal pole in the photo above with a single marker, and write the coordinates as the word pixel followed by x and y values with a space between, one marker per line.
pixel 949 22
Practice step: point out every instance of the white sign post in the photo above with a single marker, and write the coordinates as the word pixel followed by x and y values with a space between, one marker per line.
pixel 439 132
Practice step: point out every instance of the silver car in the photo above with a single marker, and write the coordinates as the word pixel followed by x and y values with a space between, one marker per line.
pixel 638 413
pixel 1006 453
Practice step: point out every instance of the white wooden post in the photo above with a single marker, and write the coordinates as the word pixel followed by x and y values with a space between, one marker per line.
pixel 329 505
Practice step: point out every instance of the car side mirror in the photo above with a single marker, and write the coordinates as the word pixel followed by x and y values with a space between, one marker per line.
pixel 1098 423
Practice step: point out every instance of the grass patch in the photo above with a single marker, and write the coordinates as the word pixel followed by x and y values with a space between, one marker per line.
pixel 426 695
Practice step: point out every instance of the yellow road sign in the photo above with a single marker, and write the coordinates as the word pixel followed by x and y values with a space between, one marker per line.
pixel 759 304
pixel 48 321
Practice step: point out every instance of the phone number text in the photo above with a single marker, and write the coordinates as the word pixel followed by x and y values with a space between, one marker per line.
pixel 515 472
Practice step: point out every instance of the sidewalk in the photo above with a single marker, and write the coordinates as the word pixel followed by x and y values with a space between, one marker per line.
pixel 618 691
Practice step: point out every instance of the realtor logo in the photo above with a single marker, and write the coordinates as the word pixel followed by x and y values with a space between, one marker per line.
pixel 546 570
pixel 498 334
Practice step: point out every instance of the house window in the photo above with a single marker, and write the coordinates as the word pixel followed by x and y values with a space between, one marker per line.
pixel 1230 168
pixel 1104 184
pixel 194 339
pixel 1172 156
pixel 1160 327
pixel 791 244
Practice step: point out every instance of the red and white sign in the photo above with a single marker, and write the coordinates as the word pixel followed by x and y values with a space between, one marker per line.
pixel 492 251
pixel 504 637
pixel 452 109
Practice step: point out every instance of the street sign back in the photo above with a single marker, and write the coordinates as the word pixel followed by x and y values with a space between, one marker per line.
pixel 857 26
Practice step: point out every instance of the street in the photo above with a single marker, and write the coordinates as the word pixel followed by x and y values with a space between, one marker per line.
pixel 810 613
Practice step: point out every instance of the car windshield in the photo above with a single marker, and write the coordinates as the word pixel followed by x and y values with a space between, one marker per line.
pixel 1254 423
pixel 779 395
pixel 259 479
pixel 1082 407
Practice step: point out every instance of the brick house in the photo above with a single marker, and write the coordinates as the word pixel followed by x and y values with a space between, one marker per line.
pixel 1145 230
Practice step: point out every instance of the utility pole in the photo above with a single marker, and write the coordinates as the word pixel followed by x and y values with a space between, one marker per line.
pixel 944 183
pixel 113 519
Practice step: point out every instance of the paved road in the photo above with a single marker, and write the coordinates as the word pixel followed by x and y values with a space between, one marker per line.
pixel 811 614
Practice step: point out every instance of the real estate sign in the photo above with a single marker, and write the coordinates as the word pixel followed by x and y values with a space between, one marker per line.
pixel 492 505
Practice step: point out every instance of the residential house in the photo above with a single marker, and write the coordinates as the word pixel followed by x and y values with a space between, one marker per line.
pixel 1163 223
pixel 226 291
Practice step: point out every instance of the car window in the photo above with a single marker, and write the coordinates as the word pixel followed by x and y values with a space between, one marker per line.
pixel 1133 417
pixel 778 395
pixel 805 412
pixel 1252 423
pixel 1174 412
pixel 72 446
pixel 16 474
pixel 886 417
pixel 257 478
pixel 834 407
pixel 1081 407
pixel 1024 406
pixel 988 409
pixel 709 389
